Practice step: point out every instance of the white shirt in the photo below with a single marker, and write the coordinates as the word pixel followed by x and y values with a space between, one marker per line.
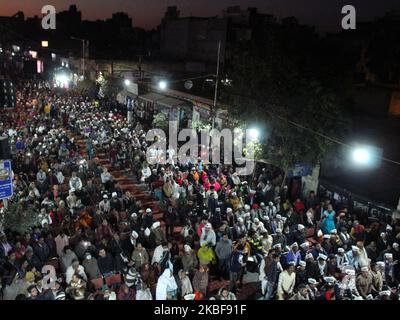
pixel 158 253
pixel 146 172
pixel 75 183
pixel 105 176
pixel 207 238
pixel 41 176
pixel 286 282
pixel 60 177
pixel 71 271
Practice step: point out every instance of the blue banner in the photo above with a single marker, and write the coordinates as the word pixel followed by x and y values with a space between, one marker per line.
pixel 6 183
pixel 300 170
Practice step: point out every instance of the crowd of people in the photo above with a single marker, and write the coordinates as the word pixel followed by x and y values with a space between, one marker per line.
pixel 88 239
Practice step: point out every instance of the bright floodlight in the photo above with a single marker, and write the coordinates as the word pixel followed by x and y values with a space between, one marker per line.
pixel 62 79
pixel 162 85
pixel 361 156
pixel 254 134
pixel 127 82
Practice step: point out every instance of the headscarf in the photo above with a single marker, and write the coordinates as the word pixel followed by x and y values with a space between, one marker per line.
pixel 164 284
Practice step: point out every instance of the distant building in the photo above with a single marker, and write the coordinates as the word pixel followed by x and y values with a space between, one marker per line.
pixel 69 21
pixel 121 20
pixel 192 39
pixel 376 46
pixel 196 39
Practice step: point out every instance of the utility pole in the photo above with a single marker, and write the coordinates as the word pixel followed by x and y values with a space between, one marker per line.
pixel 214 110
pixel 83 58
pixel 83 54
pixel 140 67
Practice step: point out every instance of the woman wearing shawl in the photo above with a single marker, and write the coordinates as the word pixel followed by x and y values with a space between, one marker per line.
pixel 166 286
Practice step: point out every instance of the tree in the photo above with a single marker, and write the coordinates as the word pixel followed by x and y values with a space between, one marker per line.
pixel 19 217
pixel 111 86
pixel 87 87
pixel 160 121
pixel 283 79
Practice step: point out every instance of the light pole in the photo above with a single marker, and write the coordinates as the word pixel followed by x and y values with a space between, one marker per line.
pixel 83 55
pixel 216 86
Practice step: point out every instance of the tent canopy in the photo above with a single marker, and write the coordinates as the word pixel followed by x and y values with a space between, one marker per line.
pixel 151 97
pixel 170 102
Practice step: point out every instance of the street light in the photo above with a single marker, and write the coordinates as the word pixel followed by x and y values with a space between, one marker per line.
pixel 366 156
pixel 253 133
pixel 361 156
pixel 127 82
pixel 162 85
pixel 62 80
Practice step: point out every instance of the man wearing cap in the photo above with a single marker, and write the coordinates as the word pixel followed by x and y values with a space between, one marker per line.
pixel 279 237
pixel 294 254
pixel 269 270
pixel 331 290
pixel 271 210
pixel 322 265
pixel 189 260
pixel 353 257
pixel 300 233
pixel 364 282
pixel 389 269
pixel 75 182
pixel 286 282
pixel 139 256
pixel 341 258
pixel 106 179
pixel 208 235
pixel 348 283
pixel 301 274
pixel 312 267
pixel 345 239
pixel 313 293
pixel 382 243
pixel 147 218
pixel 396 251
pixel 377 280
pixel 157 234
pixel 104 204
pixel 115 203
pixel 237 263
pixel 239 229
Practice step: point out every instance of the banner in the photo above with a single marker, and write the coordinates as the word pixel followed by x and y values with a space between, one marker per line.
pixel 6 185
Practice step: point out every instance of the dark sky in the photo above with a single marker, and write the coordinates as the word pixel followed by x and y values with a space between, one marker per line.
pixel 326 14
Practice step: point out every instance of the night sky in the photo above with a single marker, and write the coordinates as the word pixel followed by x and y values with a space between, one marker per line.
pixel 325 14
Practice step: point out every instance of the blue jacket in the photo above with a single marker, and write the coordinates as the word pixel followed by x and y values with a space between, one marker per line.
pixel 291 256
pixel 236 261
